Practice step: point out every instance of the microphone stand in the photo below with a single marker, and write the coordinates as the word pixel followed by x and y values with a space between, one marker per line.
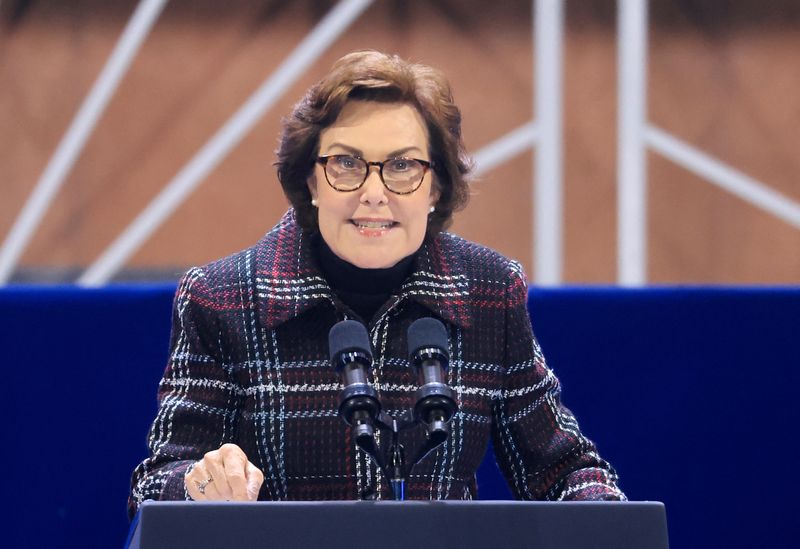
pixel 397 461
pixel 398 469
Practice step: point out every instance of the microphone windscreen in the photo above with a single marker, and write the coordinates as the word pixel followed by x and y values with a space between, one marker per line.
pixel 424 333
pixel 347 336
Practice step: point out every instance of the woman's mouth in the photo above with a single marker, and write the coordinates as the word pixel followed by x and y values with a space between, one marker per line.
pixel 373 227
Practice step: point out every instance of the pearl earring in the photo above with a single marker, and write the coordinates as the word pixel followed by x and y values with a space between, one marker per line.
pixel 432 209
pixel 314 202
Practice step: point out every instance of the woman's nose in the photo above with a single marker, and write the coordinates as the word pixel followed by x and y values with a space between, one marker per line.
pixel 373 191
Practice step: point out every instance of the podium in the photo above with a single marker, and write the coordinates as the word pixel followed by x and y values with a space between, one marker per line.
pixel 390 524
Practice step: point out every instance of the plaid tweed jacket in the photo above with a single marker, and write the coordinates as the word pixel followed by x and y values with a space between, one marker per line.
pixel 249 365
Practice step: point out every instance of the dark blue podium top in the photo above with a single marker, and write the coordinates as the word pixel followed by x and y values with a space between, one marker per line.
pixel 402 524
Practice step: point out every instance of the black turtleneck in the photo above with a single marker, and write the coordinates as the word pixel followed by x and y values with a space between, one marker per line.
pixel 363 290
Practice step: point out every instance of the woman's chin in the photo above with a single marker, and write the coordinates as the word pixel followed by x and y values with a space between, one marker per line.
pixel 370 253
pixel 373 262
pixel 371 257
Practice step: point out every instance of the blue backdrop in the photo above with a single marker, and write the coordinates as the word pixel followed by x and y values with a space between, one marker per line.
pixel 689 392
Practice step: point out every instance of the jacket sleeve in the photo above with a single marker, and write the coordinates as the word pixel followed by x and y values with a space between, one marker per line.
pixel 197 402
pixel 538 445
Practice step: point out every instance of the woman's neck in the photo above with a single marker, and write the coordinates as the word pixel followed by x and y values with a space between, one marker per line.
pixel 343 275
pixel 363 290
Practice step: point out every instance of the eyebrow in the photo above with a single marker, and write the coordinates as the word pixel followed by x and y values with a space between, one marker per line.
pixel 359 153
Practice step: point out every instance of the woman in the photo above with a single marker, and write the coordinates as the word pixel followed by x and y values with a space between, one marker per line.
pixel 373 164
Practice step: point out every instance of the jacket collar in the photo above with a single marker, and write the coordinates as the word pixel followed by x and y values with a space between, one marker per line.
pixel 289 282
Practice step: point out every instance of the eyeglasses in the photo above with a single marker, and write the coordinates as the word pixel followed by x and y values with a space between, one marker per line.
pixel 346 173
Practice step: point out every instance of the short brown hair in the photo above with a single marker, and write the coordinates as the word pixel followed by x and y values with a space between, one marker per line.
pixel 374 76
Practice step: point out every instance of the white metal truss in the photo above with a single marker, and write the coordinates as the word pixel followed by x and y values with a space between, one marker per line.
pixel 631 153
pixel 503 149
pixel 217 148
pixel 545 134
pixel 71 145
pixel 635 135
pixel 723 176
pixel 548 214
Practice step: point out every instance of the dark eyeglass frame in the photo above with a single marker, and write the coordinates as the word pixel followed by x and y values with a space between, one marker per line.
pixel 426 166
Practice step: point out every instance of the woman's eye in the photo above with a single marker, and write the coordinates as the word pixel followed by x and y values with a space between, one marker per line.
pixel 347 162
pixel 399 165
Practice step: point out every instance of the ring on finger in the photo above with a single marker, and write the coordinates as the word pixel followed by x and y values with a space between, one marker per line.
pixel 201 485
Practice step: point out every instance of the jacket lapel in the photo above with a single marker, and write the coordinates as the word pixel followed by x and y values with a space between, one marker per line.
pixel 439 280
pixel 288 280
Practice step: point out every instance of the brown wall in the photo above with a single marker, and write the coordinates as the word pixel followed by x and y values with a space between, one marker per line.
pixel 723 76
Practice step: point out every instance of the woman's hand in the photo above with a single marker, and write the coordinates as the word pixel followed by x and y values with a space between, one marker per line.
pixel 224 475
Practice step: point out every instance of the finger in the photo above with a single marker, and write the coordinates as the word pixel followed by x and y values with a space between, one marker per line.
pixel 198 485
pixel 211 493
pixel 216 470
pixel 189 483
pixel 255 478
pixel 234 462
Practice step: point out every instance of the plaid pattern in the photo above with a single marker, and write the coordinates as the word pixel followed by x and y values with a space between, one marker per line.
pixel 249 365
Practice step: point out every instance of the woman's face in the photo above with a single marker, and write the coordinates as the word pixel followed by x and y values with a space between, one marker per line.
pixel 373 227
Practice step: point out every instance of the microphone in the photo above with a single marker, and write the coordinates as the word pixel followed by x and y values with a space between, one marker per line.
pixel 427 349
pixel 351 356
